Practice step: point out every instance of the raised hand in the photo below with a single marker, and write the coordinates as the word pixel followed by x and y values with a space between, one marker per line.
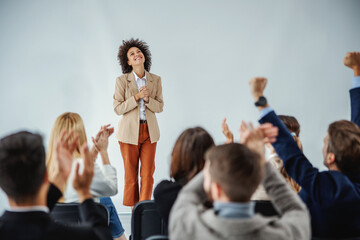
pixel 62 162
pixel 352 60
pixel 228 134
pixel 255 139
pixel 257 86
pixel 102 142
pixel 270 132
pixel 82 181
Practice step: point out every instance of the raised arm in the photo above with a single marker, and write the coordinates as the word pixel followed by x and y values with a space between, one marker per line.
pixel 294 214
pixel 105 180
pixel 352 60
pixel 81 183
pixel 295 162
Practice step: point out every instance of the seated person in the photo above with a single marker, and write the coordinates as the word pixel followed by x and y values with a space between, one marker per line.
pixel 333 197
pixel 187 160
pixel 292 124
pixel 231 175
pixel 24 179
pixel 104 183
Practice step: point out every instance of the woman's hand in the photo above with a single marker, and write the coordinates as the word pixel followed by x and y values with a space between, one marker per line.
pixel 142 94
pixel 228 134
pixel 101 140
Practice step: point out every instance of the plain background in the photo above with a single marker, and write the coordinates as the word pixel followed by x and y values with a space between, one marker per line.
pixel 59 56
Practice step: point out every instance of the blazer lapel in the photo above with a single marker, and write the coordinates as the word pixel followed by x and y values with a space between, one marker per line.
pixel 149 82
pixel 132 84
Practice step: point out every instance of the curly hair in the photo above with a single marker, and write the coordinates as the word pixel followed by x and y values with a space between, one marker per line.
pixel 124 48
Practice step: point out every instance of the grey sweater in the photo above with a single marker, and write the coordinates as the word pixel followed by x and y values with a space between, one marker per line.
pixel 190 220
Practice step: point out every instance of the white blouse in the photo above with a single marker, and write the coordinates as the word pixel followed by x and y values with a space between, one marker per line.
pixel 104 182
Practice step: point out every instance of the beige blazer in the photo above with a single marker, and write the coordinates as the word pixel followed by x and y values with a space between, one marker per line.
pixel 126 105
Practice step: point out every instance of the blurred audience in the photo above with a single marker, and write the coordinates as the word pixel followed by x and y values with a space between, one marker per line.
pixel 231 175
pixel 104 183
pixel 187 160
pixel 333 197
pixel 24 179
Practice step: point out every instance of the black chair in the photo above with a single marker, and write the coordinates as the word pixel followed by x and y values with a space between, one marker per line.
pixel 158 237
pixel 68 213
pixel 265 208
pixel 146 221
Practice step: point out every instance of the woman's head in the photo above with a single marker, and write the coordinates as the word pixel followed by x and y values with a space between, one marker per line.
pixel 67 121
pixel 187 158
pixel 293 126
pixel 128 52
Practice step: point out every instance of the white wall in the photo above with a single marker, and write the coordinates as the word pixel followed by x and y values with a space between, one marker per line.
pixel 58 56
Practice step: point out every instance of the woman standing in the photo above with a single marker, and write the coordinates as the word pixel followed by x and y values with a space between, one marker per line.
pixel 137 97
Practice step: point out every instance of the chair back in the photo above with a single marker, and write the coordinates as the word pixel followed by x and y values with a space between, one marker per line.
pixel 158 237
pixel 265 208
pixel 146 221
pixel 68 213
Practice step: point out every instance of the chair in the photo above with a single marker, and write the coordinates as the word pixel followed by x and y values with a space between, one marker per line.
pixel 158 237
pixel 68 213
pixel 146 221
pixel 265 208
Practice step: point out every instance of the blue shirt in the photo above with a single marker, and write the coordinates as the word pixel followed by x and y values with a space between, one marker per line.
pixel 234 210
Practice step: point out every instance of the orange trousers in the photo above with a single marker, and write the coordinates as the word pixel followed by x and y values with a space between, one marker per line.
pixel 145 151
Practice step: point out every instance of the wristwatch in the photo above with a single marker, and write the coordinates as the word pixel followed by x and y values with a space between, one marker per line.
pixel 261 102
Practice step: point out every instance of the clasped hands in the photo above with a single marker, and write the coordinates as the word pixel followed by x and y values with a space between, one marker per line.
pixel 143 94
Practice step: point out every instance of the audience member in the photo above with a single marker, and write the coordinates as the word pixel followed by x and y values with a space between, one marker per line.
pixel 187 160
pixel 104 183
pixel 293 125
pixel 333 197
pixel 24 179
pixel 231 175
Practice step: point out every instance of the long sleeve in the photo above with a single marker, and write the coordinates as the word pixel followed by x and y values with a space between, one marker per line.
pixel 156 104
pixel 355 105
pixel 54 194
pixel 186 209
pixel 104 183
pixel 120 103
pixel 300 168
pixel 294 214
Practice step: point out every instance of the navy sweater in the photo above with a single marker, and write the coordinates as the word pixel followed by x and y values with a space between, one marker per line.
pixel 332 197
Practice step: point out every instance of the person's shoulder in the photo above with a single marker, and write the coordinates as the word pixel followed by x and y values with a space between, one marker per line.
pixel 123 77
pixel 154 76
pixel 166 186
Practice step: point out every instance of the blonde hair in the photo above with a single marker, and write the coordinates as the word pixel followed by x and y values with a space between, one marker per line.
pixel 67 121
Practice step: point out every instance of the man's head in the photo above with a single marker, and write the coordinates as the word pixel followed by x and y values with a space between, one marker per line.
pixel 22 165
pixel 342 147
pixel 232 172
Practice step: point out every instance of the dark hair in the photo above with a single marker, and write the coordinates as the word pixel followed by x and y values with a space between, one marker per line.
pixel 123 50
pixel 188 155
pixel 22 165
pixel 237 169
pixel 344 142
pixel 293 126
pixel 291 123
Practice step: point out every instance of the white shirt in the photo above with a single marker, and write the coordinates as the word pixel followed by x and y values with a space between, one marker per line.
pixel 29 209
pixel 104 182
pixel 141 82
